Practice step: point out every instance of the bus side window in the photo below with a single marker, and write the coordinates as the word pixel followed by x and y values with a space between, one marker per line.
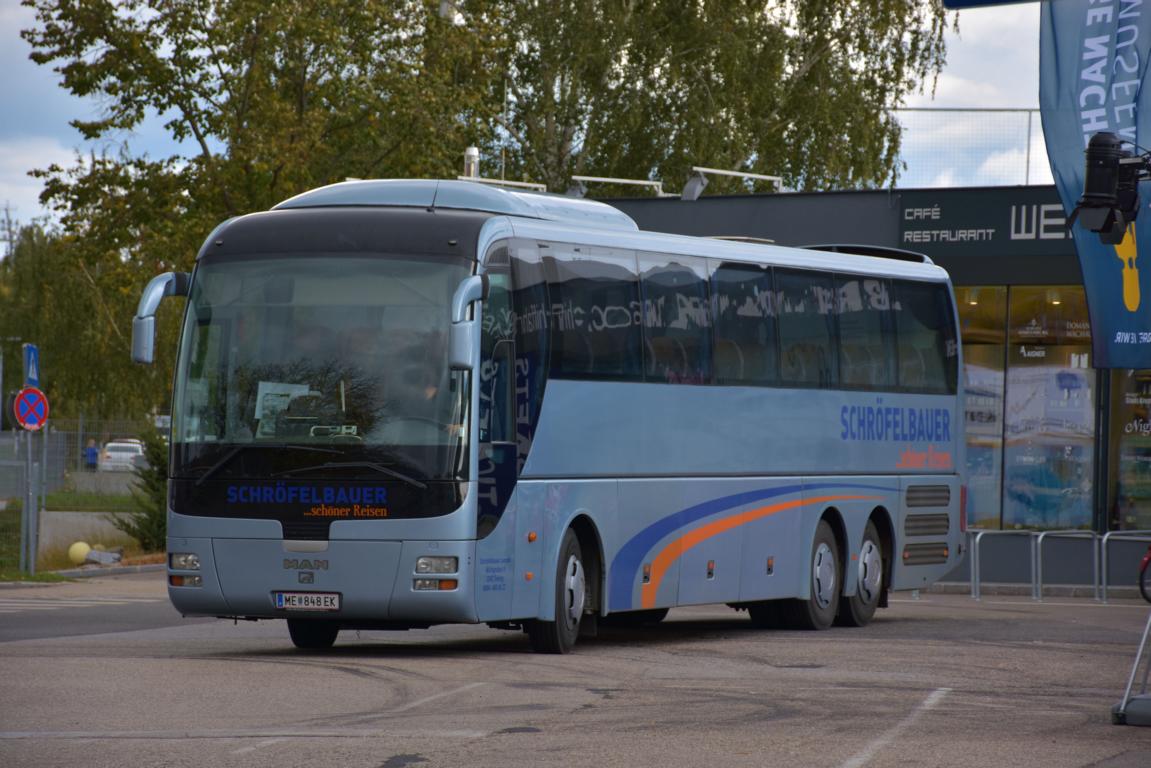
pixel 865 332
pixel 501 394
pixel 744 306
pixel 594 296
pixel 676 319
pixel 807 329
pixel 497 366
pixel 927 347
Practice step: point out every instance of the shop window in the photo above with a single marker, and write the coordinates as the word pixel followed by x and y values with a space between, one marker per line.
pixel 1130 504
pixel 1049 412
pixel 983 328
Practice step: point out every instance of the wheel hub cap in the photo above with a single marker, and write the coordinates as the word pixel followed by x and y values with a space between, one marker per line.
pixel 574 591
pixel 870 571
pixel 823 575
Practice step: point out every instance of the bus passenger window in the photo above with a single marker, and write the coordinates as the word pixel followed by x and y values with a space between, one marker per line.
pixel 594 311
pixel 866 334
pixel 744 304
pixel 925 331
pixel 676 319
pixel 806 329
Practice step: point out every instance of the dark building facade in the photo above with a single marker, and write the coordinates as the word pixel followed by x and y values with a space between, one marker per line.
pixel 1052 442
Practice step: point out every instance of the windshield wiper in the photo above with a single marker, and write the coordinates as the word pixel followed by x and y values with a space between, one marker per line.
pixel 354 465
pixel 237 450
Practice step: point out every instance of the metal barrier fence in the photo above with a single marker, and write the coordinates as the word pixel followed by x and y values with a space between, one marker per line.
pixel 1118 536
pixel 976 564
pixel 1100 544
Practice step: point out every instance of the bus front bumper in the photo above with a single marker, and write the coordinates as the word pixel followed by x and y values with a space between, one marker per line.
pixel 371 581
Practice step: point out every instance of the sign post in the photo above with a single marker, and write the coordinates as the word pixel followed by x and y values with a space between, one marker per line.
pixel 30 411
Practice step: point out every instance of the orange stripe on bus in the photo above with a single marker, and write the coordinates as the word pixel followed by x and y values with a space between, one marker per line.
pixel 675 549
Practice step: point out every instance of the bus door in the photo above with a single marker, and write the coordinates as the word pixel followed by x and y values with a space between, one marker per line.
pixel 497 436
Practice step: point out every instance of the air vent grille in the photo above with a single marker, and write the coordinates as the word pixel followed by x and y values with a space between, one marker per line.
pixel 927 525
pixel 928 496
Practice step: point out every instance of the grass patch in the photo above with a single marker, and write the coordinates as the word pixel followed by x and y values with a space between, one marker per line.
pixel 9 540
pixel 46 577
pixel 81 501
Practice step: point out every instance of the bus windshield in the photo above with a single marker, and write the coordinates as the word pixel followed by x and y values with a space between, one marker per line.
pixel 320 365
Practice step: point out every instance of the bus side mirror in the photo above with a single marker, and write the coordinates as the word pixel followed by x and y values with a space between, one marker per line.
pixel 144 323
pixel 464 339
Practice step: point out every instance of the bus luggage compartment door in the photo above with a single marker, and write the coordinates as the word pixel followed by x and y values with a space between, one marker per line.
pixel 362 573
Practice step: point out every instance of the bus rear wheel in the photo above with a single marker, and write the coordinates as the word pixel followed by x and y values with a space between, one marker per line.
pixel 313 634
pixel 857 610
pixel 559 636
pixel 819 609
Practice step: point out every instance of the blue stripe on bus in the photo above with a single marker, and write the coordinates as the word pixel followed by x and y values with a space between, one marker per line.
pixel 627 561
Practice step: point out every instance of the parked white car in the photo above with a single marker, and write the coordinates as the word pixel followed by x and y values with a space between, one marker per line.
pixel 120 455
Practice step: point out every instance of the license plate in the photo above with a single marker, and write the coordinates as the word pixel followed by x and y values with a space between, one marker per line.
pixel 306 601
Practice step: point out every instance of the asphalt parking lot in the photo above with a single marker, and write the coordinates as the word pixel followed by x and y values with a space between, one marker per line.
pixel 938 681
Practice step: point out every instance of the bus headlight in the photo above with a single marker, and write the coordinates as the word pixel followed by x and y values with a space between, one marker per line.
pixel 437 564
pixel 184 561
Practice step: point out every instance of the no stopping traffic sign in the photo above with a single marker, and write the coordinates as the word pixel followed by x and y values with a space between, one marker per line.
pixel 30 408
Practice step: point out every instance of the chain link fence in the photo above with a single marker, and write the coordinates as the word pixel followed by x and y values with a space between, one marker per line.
pixel 952 147
pixel 66 478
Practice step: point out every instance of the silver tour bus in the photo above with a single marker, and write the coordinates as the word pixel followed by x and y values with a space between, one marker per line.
pixel 406 403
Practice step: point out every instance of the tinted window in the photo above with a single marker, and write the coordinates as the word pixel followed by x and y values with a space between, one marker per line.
pixel 926 334
pixel 865 333
pixel 498 325
pixel 676 319
pixel 530 302
pixel 745 325
pixel 594 297
pixel 806 328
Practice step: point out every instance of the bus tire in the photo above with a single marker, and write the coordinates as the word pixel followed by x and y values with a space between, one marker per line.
pixel 819 609
pixel 313 634
pixel 559 636
pixel 857 610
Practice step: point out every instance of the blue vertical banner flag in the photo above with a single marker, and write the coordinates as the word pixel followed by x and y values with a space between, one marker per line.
pixel 1093 57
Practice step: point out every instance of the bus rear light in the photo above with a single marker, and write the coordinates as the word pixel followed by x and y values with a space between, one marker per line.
pixel 963 508
pixel 186 581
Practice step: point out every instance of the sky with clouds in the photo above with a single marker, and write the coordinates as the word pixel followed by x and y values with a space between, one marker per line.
pixel 992 63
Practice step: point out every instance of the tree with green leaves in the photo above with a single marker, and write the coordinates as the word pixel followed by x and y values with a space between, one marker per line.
pixel 801 89
pixel 148 525
pixel 273 97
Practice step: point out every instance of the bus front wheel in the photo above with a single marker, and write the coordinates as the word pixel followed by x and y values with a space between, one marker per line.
pixel 559 636
pixel 819 609
pixel 313 634
pixel 857 610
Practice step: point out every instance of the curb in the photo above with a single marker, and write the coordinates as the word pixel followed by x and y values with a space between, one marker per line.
pixel 114 570
pixel 85 573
